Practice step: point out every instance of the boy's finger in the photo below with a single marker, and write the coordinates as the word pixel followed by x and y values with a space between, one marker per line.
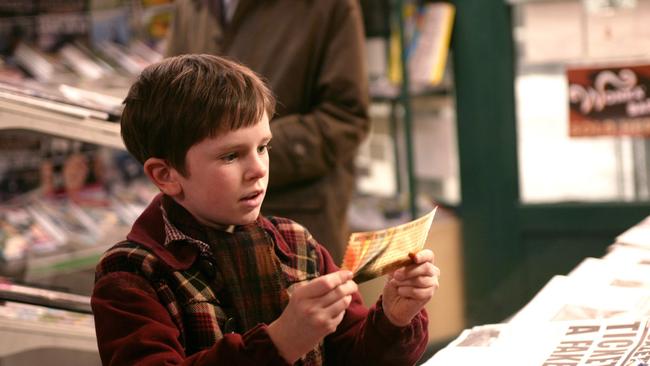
pixel 425 269
pixel 344 290
pixel 419 281
pixel 425 255
pixel 416 293
pixel 335 309
pixel 324 284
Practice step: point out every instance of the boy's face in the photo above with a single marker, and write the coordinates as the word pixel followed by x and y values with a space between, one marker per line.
pixel 227 176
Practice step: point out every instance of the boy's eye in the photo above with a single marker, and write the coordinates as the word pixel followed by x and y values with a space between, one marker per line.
pixel 229 157
pixel 264 148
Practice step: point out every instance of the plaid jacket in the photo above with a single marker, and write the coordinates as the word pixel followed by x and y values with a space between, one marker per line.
pixel 157 304
pixel 188 295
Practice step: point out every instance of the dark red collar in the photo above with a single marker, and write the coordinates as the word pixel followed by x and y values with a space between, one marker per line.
pixel 149 231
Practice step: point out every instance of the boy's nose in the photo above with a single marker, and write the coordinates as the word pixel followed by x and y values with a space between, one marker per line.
pixel 258 167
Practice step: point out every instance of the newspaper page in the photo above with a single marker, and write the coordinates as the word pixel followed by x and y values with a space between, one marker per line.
pixel 628 254
pixel 620 342
pixel 374 253
pixel 566 298
pixel 612 273
pixel 637 235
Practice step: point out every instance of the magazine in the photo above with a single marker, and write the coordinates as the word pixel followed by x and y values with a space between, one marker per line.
pixel 21 233
pixel 35 63
pixel 428 57
pixel 121 57
pixel 130 200
pixel 65 99
pixel 68 219
pixel 62 108
pixel 83 65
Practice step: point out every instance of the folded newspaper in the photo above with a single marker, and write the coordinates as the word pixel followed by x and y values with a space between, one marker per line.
pixel 612 273
pixel 571 298
pixel 374 253
pixel 614 342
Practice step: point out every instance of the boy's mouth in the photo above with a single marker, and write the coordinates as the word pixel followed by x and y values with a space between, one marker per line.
pixel 253 197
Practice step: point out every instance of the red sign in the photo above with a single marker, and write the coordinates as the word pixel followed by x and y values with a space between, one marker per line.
pixel 611 101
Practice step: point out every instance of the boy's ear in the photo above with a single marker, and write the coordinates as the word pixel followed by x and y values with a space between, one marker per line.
pixel 163 175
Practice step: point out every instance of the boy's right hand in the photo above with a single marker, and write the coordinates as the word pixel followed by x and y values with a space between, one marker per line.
pixel 315 309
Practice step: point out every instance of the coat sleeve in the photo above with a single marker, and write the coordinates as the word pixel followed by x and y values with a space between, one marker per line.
pixel 333 129
pixel 176 37
pixel 134 328
pixel 367 337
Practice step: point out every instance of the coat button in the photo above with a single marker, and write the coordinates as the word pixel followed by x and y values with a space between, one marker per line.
pixel 207 268
pixel 230 326
pixel 300 149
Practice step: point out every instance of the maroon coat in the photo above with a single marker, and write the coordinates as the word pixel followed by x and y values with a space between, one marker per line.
pixel 312 53
pixel 151 301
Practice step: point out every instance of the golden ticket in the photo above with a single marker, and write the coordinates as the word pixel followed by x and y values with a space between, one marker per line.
pixel 371 254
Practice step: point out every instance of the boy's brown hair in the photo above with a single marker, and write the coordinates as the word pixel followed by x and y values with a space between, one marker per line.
pixel 182 100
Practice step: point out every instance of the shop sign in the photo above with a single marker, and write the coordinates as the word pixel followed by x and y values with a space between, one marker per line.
pixel 603 6
pixel 611 101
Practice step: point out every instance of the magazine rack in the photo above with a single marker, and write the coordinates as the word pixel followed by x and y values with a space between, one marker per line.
pixel 71 122
pixel 14 115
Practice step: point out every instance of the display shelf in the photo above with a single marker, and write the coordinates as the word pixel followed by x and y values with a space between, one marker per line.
pixel 27 332
pixel 519 2
pixel 72 124
pixel 387 94
pixel 35 320
pixel 43 297
pixel 18 335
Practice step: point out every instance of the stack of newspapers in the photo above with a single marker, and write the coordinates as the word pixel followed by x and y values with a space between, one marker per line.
pixel 598 314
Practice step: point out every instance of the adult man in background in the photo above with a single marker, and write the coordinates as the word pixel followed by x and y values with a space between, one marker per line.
pixel 312 54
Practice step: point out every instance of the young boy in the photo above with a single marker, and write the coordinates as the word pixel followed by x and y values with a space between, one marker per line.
pixel 202 278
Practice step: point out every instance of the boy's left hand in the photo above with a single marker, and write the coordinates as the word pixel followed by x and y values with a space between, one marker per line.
pixel 409 288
